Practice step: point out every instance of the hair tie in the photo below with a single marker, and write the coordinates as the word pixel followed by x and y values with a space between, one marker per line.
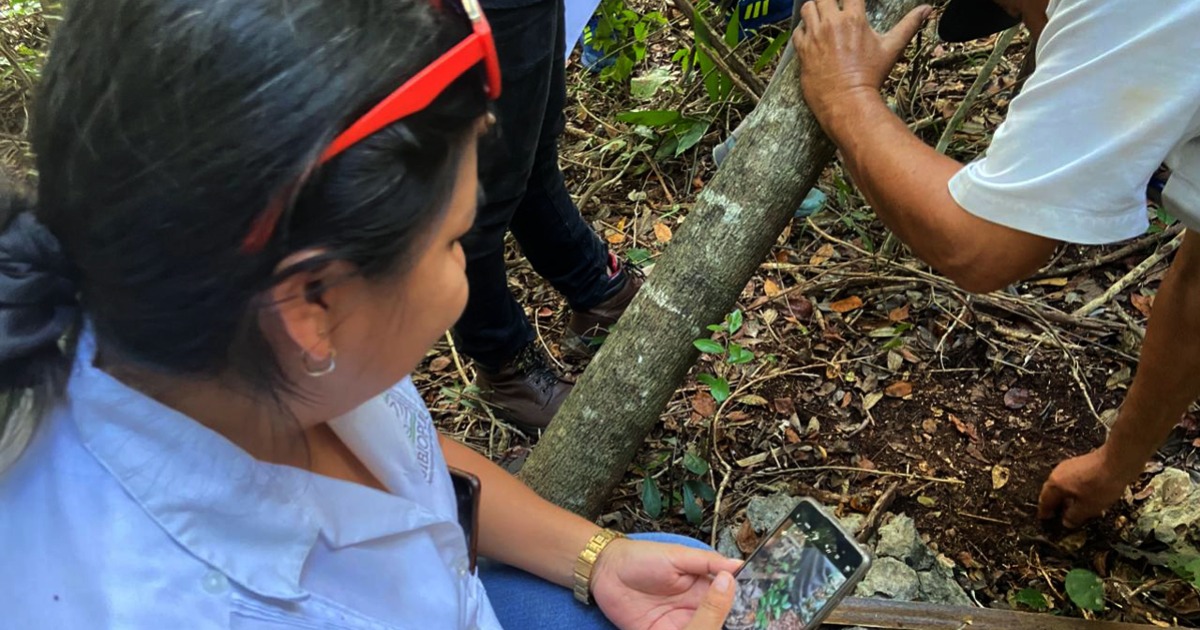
pixel 38 297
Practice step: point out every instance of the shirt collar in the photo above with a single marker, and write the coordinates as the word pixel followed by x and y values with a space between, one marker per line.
pixel 251 521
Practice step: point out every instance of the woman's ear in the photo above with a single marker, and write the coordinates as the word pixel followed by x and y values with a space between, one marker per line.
pixel 303 315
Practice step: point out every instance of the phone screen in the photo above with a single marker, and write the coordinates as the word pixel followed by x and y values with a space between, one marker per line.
pixel 795 573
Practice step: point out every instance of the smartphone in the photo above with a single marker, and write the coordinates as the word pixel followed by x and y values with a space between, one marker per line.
pixel 798 573
pixel 466 495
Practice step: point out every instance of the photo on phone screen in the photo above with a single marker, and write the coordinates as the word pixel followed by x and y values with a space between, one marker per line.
pixel 796 575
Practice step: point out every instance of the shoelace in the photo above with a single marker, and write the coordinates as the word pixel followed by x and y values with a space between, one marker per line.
pixel 534 364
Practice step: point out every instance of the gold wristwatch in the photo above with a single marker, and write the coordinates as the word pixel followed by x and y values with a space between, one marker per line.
pixel 587 561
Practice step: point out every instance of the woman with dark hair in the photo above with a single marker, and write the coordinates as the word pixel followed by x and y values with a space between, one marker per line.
pixel 246 237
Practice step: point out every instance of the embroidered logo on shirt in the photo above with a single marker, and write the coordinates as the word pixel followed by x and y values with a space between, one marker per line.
pixel 420 429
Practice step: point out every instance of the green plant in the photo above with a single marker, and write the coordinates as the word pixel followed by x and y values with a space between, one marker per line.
pixel 777 600
pixel 677 132
pixel 1085 589
pixel 1030 598
pixel 621 34
pixel 692 490
pixel 1187 568
pixel 733 353
pixel 893 334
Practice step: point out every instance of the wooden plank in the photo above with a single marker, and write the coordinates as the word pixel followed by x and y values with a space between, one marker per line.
pixel 894 615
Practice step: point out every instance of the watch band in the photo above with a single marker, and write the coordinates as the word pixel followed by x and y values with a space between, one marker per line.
pixel 587 561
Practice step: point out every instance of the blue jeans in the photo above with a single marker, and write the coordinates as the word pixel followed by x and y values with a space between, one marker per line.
pixel 519 175
pixel 523 601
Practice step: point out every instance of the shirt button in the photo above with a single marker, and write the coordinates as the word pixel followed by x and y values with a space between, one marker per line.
pixel 464 568
pixel 214 583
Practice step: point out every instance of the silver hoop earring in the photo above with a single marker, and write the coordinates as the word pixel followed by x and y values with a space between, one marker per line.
pixel 316 371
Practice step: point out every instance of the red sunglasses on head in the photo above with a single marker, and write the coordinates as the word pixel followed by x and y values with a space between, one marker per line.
pixel 413 96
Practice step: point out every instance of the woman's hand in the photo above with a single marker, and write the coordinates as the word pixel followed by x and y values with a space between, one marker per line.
pixel 641 585
pixel 841 56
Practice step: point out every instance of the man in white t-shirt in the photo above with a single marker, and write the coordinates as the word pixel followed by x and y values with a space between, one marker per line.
pixel 1115 93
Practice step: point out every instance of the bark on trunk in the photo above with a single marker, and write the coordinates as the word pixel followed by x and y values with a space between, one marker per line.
pixel 737 218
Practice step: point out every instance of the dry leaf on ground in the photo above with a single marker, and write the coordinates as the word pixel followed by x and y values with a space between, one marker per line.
pixel 662 232
pixel 1000 476
pixel 845 306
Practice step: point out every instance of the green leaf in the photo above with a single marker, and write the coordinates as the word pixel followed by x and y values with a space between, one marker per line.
pixel 739 355
pixel 651 117
pixel 731 29
pixel 772 50
pixel 716 84
pixel 708 346
pixel 638 256
pixel 667 150
pixel 702 490
pixel 1186 567
pixel 694 463
pixel 1085 589
pixel 691 135
pixel 716 327
pixel 718 387
pixel 1032 599
pixel 651 498
pixel 690 508
pixel 646 86
pixel 641 30
pixel 735 321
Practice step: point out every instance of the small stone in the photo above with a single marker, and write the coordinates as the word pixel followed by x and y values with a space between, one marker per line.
pixel 853 522
pixel 891 578
pixel 899 539
pixel 765 513
pixel 938 587
pixel 1169 515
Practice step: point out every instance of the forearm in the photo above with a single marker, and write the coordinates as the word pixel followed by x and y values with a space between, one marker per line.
pixel 907 183
pixel 518 527
pixel 1168 375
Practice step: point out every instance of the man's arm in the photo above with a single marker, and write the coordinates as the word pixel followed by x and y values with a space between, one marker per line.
pixel 1167 382
pixel 844 61
pixel 907 183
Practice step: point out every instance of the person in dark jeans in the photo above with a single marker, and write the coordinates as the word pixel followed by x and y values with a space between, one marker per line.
pixel 524 187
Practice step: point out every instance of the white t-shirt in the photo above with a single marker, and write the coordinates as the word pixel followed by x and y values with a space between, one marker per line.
pixel 124 514
pixel 1116 92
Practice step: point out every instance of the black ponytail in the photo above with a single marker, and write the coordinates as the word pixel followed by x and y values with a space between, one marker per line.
pixel 38 307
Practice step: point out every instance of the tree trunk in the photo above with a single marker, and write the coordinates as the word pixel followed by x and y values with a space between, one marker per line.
pixel 737 218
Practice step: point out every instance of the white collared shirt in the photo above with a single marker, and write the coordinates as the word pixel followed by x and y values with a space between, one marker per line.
pixel 1116 92
pixel 125 514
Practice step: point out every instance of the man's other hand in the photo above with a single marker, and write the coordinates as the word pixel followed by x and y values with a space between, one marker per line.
pixel 1082 488
pixel 840 54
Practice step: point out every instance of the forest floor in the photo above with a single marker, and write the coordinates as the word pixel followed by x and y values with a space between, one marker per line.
pixel 869 368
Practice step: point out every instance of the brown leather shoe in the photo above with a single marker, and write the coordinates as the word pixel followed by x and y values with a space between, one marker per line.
pixel 527 390
pixel 586 328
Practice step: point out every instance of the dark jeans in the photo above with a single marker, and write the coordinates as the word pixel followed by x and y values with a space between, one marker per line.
pixel 519 175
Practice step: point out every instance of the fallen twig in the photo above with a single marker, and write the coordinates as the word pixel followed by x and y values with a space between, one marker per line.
pixel 1115 255
pixel 875 516
pixel 985 75
pixel 878 473
pixel 1133 276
